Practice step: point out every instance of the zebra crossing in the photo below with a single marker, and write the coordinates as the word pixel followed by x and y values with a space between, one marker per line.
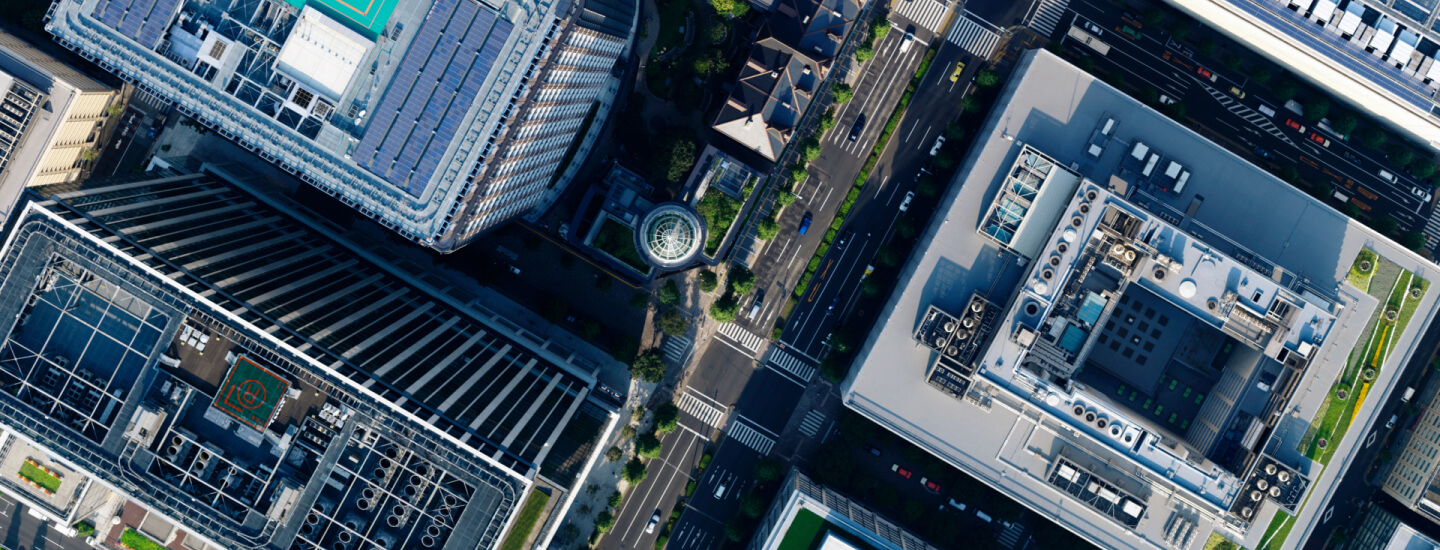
pixel 929 14
pixel 1011 536
pixel 751 438
pixel 675 348
pixel 788 363
pixel 701 409
pixel 1432 229
pixel 1250 115
pixel 974 36
pixel 1048 16
pixel 814 420
pixel 745 338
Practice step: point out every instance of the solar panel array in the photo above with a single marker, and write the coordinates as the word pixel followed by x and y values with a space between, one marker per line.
pixel 143 21
pixel 437 82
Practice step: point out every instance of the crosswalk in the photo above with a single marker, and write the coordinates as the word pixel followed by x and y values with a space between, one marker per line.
pixel 1011 536
pixel 812 423
pixel 1432 228
pixel 675 348
pixel 745 338
pixel 974 36
pixel 1048 15
pixel 751 438
pixel 929 14
pixel 1250 115
pixel 701 409
pixel 788 363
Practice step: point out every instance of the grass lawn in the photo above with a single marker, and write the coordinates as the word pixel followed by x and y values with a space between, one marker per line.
pixel 1278 531
pixel 672 25
pixel 618 240
pixel 40 477
pixel 719 211
pixel 133 540
pixel 803 530
pixel 1361 279
pixel 526 522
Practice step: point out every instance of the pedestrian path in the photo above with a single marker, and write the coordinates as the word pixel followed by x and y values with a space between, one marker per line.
pixel 701 409
pixel 675 348
pixel 974 36
pixel 1432 229
pixel 814 420
pixel 1011 536
pixel 929 14
pixel 788 363
pixel 745 338
pixel 1048 16
pixel 739 431
pixel 1250 115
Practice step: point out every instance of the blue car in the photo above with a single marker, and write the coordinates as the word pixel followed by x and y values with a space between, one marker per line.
pixel 805 223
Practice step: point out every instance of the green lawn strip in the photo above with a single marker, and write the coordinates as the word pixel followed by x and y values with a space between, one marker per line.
pixel 40 477
pixel 1279 527
pixel 672 25
pixel 133 540
pixel 525 523
pixel 802 531
pixel 1342 424
pixel 618 240
pixel 1360 279
pixel 719 211
pixel 1411 304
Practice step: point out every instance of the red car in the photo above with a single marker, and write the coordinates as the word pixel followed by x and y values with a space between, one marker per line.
pixel 1319 139
pixel 930 485
pixel 1206 74
pixel 897 469
pixel 1295 125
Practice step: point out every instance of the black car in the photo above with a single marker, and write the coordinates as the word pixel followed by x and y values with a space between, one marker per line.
pixel 843 239
pixel 872 450
pixel 1262 153
pixel 858 127
pixel 831 310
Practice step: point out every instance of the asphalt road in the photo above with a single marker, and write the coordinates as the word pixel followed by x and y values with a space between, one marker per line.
pixel 837 282
pixel 23 531
pixel 1239 124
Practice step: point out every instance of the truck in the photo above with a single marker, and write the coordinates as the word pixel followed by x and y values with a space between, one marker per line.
pixel 1409 392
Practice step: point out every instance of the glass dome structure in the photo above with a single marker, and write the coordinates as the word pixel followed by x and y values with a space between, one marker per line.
pixel 670 235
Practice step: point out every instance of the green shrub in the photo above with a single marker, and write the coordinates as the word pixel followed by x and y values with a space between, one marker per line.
pixel 724 309
pixel 1373 138
pixel 672 322
pixel 667 418
pixel 986 78
pixel 689 488
pixel 705 461
pixel 615 499
pixel 1422 167
pixel 741 280
pixel 767 229
pixel 842 93
pixel 708 280
pixel 604 522
pixel 1400 155
pixel 634 471
pixel 669 293
pixel 864 53
pixel 661 541
pixel 84 529
pixel 649 366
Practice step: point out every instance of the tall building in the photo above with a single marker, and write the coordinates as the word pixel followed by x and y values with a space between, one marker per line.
pixel 1381 530
pixel 1414 477
pixel 804 508
pixel 257 383
pixel 53 144
pixel 1130 330
pixel 439 119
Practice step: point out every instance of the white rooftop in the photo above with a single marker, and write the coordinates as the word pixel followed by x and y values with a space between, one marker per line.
pixel 833 542
pixel 322 54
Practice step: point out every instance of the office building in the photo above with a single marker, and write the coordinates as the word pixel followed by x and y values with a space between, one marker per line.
pixel 41 145
pixel 1412 479
pixel 252 380
pixel 1381 530
pixel 833 521
pixel 439 119
pixel 1129 330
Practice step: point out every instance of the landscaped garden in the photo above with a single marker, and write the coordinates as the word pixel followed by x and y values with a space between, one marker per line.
pixel 618 240
pixel 39 477
pixel 133 540
pixel 525 523
pixel 719 211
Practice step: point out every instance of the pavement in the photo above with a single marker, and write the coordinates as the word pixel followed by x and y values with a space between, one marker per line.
pixel 23 531
pixel 1242 124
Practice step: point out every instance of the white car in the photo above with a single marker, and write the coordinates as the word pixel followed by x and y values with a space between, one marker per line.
pixel 939 140
pixel 654 520
pixel 905 204
pixel 1421 194
pixel 1166 100
pixel 905 43
pixel 1094 29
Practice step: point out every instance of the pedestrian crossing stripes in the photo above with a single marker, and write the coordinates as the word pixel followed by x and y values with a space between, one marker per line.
pixel 1011 536
pixel 701 409
pixel 1432 229
pixel 788 363
pixel 745 338
pixel 973 36
pixel 675 348
pixel 929 14
pixel 1250 115
pixel 751 438
pixel 812 423
pixel 1048 15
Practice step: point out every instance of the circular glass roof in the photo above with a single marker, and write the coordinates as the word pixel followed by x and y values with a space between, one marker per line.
pixel 670 235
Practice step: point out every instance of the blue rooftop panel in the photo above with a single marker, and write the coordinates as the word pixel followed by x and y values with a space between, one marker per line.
pixel 438 81
pixel 141 20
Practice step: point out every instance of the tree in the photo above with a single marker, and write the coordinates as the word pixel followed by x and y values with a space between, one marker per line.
pixel 708 280
pixel 1422 167
pixel 870 287
pixel 669 293
pixel 986 78
pixel 1386 225
pixel 1206 47
pixel 1285 90
pixel 834 367
pixel 1176 111
pixel 1116 79
pixel 969 105
pixel 741 280
pixel 928 185
pixel 1261 74
pixel 842 340
pixel 677 155
pixel 751 505
pixel 1149 95
pixel 912 511
pixel 832 464
pixel 716 32
pixel 649 366
pixel 672 322
pixel 647 445
pixel 1373 138
pixel 784 198
pixel 888 257
pixel 735 529
pixel 1290 174
pixel 667 418
pixel 634 471
pixel 628 432
pixel 615 499
pixel 1400 155
pixel 1154 17
pixel 639 300
pixel 614 454
pixel 767 470
pixel 1180 30
pixel 604 522
pixel 843 93
pixel 905 227
pixel 731 8
pixel 589 331
pixel 1344 123
pixel 767 229
pixel 810 149
pixel 710 63
pixel 954 131
pixel 798 173
pixel 827 120
pixel 1317 108
pixel 864 53
pixel 1233 62
pixel 1414 240
pixel 725 309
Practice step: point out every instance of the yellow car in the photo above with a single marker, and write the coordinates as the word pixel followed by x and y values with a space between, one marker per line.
pixel 959 67
pixel 1237 92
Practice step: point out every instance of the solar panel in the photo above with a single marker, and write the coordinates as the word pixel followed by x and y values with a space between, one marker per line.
pixel 438 81
pixel 143 21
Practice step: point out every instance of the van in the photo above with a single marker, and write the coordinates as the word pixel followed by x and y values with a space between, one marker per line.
pixel 956 505
pixel 1266 110
pixel 1387 176
pixel 983 516
pixel 720 491
pixel 755 306
pixel 1409 392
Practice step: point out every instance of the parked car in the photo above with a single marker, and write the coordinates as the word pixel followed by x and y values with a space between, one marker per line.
pixel 1094 29
pixel 905 42
pixel 1131 32
pixel 654 520
pixel 804 224
pixel 1319 139
pixel 1206 74
pixel 939 140
pixel 1131 19
pixel 1266 110
pixel 1350 156
pixel 872 450
pixel 1298 127
pixel 1237 92
pixel 959 68
pixel 1390 424
pixel 905 204
pixel 858 127
pixel 514 269
pixel 930 485
pixel 843 239
pixel 755 305
pixel 903 472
